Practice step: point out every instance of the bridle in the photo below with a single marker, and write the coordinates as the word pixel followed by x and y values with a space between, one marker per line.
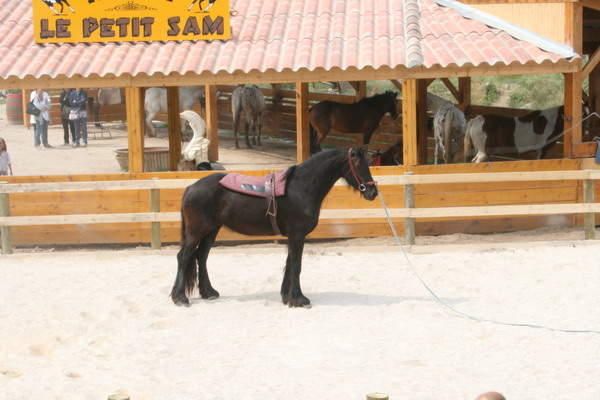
pixel 362 184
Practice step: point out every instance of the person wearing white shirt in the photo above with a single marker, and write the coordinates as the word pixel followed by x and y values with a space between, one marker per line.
pixel 42 102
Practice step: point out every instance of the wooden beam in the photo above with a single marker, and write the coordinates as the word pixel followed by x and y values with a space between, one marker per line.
pixel 585 149
pixel 451 88
pixel 422 120
pixel 135 128
pixel 174 123
pixel 361 90
pixel 591 4
pixel 464 88
pixel 591 64
pixel 212 122
pixel 574 26
pixel 409 122
pixel 573 115
pixel 302 127
pixel 397 83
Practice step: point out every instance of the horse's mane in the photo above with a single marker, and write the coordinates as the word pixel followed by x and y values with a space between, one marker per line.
pixel 378 98
pixel 314 161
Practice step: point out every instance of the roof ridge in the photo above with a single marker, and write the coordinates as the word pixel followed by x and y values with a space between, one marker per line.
pixel 412 33
pixel 514 30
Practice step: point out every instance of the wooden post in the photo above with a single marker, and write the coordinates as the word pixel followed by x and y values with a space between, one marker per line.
pixel 135 128
pixel 302 132
pixel 409 202
pixel 5 230
pixel 422 121
pixel 377 396
pixel 409 122
pixel 155 226
pixel 572 115
pixel 212 122
pixel 589 219
pixel 174 122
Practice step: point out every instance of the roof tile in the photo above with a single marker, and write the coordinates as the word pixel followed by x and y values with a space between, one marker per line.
pixel 276 35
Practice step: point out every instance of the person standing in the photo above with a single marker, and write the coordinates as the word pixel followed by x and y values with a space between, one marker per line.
pixel 42 102
pixel 65 109
pixel 5 165
pixel 78 101
pixel 32 120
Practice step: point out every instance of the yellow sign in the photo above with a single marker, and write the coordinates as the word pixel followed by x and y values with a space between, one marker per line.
pixel 71 21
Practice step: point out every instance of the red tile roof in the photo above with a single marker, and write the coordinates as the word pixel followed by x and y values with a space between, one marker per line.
pixel 278 35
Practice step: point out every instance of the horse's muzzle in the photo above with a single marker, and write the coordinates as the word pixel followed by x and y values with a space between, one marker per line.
pixel 370 192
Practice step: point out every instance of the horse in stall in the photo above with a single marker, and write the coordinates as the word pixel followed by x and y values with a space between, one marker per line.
pixel 362 116
pixel 250 100
pixel 291 210
pixel 392 156
pixel 493 134
pixel 155 101
pixel 449 126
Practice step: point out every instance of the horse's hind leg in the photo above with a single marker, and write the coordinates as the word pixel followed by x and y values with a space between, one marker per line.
pixel 206 289
pixel 246 128
pixel 186 272
pixel 259 123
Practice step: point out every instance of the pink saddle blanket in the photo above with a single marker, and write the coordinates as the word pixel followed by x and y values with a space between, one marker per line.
pixel 254 185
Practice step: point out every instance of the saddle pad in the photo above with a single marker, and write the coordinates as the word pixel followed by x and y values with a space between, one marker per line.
pixel 253 185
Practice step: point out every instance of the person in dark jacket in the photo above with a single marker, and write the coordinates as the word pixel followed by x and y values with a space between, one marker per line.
pixel 78 102
pixel 65 109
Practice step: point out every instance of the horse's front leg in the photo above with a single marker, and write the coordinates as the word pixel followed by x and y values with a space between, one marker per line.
pixel 291 277
pixel 259 123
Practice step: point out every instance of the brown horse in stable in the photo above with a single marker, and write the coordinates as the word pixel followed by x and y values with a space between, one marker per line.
pixel 362 116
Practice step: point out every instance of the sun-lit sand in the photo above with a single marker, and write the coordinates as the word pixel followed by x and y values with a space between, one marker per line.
pixel 86 324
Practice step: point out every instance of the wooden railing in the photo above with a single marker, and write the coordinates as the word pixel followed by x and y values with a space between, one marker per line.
pixel 409 212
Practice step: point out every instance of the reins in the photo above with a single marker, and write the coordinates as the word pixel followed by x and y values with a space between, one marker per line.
pixel 454 310
pixel 362 184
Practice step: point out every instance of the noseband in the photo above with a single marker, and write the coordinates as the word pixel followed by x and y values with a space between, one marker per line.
pixel 362 184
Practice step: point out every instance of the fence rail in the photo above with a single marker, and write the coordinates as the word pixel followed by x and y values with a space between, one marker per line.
pixel 409 213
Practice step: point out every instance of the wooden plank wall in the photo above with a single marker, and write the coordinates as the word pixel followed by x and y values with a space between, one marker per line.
pixel 446 195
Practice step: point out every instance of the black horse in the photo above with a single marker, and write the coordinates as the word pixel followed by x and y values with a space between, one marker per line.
pixel 360 117
pixel 207 206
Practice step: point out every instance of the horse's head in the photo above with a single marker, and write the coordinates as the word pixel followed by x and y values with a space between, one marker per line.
pixel 393 104
pixel 358 174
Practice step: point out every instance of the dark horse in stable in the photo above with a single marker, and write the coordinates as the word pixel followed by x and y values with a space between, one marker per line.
pixel 362 116
pixel 208 205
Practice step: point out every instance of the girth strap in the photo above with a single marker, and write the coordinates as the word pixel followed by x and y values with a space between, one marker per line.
pixel 271 202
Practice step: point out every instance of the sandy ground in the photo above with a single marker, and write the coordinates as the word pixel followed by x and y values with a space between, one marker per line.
pixel 82 324
pixel 99 156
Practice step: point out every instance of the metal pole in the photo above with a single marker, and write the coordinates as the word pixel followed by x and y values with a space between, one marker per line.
pixel 409 202
pixel 5 229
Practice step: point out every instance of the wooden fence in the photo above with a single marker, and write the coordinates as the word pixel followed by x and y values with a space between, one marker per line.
pixel 409 213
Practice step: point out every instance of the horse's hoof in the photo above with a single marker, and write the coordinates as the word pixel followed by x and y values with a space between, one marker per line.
pixel 181 302
pixel 210 295
pixel 300 302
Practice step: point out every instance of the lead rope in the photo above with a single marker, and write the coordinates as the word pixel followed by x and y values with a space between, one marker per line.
pixel 458 312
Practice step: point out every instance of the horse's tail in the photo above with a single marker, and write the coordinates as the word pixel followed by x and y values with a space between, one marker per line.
pixel 191 272
pixel 448 122
pixel 468 138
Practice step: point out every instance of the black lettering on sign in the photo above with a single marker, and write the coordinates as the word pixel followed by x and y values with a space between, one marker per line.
pixel 89 26
pixel 210 27
pixel 173 26
pixel 147 22
pixel 191 27
pixel 122 24
pixel 45 33
pixel 62 28
pixel 106 25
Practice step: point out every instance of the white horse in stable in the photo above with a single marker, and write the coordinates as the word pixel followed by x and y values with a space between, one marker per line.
pixel 155 101
pixel 493 134
pixel 449 126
